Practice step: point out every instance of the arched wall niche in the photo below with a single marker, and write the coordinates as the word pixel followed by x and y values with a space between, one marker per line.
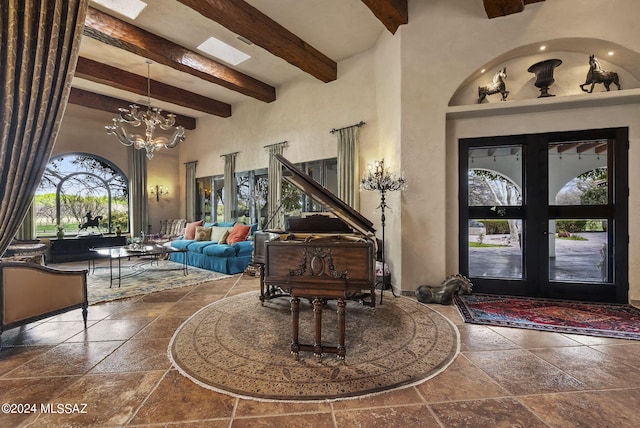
pixel 574 54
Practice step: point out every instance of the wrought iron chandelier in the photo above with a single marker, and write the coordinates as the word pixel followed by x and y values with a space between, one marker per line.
pixel 159 130
pixel 379 178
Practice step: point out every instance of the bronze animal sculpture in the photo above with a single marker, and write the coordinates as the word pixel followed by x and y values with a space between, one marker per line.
pixel 497 86
pixel 443 293
pixel 597 75
pixel 91 222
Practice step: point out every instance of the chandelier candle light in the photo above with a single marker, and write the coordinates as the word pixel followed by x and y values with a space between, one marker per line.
pixel 380 179
pixel 159 131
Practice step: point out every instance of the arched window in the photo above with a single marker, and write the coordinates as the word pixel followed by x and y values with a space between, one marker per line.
pixel 75 186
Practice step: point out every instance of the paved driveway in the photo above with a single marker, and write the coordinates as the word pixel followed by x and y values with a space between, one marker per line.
pixel 574 260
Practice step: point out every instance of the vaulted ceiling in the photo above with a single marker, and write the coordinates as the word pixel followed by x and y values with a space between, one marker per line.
pixel 286 40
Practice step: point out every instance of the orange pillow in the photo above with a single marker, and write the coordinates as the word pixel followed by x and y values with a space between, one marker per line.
pixel 238 233
pixel 190 230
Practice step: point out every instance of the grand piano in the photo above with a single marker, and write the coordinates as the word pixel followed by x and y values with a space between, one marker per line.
pixel 320 258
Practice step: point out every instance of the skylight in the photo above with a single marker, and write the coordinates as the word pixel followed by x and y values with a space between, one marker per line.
pixel 223 51
pixel 129 8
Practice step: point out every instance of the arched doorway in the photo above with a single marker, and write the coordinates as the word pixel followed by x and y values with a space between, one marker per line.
pixel 520 235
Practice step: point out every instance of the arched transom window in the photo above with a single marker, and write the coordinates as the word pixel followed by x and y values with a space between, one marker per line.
pixel 75 186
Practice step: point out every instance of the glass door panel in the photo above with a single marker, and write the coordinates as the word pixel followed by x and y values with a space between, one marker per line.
pixel 217 205
pixel 204 198
pixel 498 253
pixel 579 251
pixel 578 173
pixel 580 209
pixel 494 183
pixel 546 215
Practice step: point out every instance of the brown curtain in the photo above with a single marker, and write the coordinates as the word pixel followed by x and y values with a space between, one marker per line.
pixel 39 42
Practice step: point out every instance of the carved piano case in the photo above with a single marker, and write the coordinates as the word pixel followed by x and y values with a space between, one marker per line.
pixel 319 258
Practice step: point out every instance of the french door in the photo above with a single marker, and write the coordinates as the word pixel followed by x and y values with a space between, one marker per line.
pixel 546 215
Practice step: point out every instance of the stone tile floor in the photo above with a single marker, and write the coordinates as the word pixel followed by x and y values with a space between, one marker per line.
pixel 119 368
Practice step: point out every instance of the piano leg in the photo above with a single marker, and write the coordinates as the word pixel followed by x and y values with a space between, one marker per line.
pixel 317 318
pixel 342 350
pixel 295 317
pixel 262 288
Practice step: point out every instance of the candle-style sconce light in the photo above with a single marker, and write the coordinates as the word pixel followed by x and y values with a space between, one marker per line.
pixel 158 191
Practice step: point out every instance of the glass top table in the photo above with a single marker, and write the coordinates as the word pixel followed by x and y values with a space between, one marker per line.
pixel 152 252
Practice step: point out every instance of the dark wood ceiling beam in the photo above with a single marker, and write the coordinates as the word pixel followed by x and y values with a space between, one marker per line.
pixel 587 146
pixel 114 32
pixel 105 74
pixel 392 13
pixel 102 102
pixel 245 20
pixel 496 8
pixel 565 147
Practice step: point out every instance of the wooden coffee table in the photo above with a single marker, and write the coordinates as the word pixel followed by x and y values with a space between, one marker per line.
pixel 153 252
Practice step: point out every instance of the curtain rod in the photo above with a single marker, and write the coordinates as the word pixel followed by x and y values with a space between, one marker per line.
pixel 275 144
pixel 359 124
pixel 229 154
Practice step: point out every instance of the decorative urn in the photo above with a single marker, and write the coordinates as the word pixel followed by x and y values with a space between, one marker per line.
pixel 544 75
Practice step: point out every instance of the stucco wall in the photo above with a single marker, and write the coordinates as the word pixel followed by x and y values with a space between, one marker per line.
pixel 303 115
pixel 445 43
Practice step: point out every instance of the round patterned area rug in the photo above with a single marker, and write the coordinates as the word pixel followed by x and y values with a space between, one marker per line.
pixel 239 347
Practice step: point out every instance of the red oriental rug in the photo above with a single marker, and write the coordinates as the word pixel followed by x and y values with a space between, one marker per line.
pixel 560 316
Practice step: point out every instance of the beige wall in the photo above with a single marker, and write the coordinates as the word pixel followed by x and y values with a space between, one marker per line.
pixel 402 89
pixel 448 41
pixel 303 115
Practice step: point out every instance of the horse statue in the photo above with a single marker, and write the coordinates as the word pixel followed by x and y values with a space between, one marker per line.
pixel 498 85
pixel 91 222
pixel 597 75
pixel 443 293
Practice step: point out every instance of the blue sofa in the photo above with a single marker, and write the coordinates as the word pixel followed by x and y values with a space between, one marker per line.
pixel 224 258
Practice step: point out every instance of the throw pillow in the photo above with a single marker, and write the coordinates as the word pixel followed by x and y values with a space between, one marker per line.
pixel 190 230
pixel 219 234
pixel 238 233
pixel 203 233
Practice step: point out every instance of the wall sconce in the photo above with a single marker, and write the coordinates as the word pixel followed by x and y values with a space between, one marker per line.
pixel 158 191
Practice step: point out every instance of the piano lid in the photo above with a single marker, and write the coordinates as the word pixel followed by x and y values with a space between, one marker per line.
pixel 337 206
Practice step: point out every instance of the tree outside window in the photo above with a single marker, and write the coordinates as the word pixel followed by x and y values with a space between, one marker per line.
pixel 75 185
